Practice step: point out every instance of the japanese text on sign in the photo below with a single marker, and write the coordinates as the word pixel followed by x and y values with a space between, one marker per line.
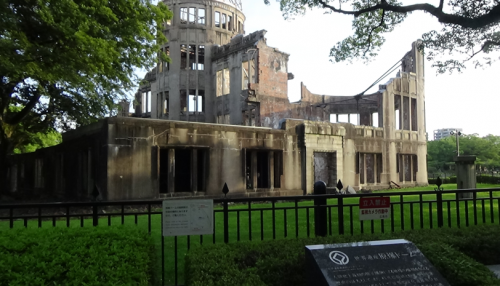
pixel 374 208
pixel 187 217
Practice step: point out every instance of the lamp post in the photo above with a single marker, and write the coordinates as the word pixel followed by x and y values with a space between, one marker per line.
pixel 457 134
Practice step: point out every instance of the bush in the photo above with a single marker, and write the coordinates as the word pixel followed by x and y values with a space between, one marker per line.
pixel 457 254
pixel 76 256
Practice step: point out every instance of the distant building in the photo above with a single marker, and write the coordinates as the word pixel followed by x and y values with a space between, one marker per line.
pixel 444 132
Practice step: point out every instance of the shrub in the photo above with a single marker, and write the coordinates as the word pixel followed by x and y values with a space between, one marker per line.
pixel 76 256
pixel 456 253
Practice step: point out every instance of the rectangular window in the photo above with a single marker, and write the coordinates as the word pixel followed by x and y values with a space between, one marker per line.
pixel 184 15
pixel 201 16
pixel 196 101
pixel 163 103
pixel 217 19
pixel 192 56
pixel 223 21
pixel 258 169
pixel 414 122
pixel 219 83
pixel 201 58
pixel 248 73
pixel 229 23
pixel 146 102
pixel 184 55
pixel 226 87
pixel 239 27
pixel 163 65
pixel 183 98
pixel 192 16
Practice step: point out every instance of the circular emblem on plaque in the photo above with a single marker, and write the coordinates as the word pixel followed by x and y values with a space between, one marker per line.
pixel 339 258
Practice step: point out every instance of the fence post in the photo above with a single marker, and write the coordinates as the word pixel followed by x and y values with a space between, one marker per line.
pixel 95 217
pixel 225 190
pixel 440 208
pixel 320 222
pixel 340 212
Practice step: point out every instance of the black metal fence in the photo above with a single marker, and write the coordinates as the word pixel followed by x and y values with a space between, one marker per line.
pixel 266 218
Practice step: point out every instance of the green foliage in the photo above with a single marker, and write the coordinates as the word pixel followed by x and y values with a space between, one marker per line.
pixel 441 153
pixel 76 256
pixel 65 63
pixel 470 27
pixel 456 253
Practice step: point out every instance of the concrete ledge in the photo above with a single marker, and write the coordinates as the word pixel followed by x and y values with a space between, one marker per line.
pixel 465 158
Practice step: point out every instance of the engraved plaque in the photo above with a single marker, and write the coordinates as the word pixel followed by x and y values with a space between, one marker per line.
pixel 386 262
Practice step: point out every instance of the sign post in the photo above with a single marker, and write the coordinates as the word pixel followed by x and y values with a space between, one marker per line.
pixel 373 208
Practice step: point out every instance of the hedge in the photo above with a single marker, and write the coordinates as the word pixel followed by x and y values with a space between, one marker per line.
pixel 76 256
pixel 481 179
pixel 458 254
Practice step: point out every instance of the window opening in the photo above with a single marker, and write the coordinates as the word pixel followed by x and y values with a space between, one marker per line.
pixel 182 170
pixel 192 56
pixel 414 123
pixel 375 119
pixel 343 118
pixel 227 84
pixel 354 118
pixel 263 170
pixel 219 83
pixel 184 15
pixel 183 95
pixel 229 23
pixel 192 16
pixel 163 180
pixel 397 113
pixel 223 21
pixel 217 19
pixel 201 16
pixel 184 56
pixel 278 168
pixel 406 113
pixel 195 101
pixel 146 102
pixel 201 58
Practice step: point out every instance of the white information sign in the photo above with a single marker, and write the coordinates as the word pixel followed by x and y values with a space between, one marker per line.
pixel 374 208
pixel 188 217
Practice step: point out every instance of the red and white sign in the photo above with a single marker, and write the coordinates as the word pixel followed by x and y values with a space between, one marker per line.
pixel 374 208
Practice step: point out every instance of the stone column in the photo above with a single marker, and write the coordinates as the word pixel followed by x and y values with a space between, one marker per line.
pixel 466 174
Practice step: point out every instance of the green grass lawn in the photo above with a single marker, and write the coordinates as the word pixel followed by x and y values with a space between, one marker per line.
pixel 285 221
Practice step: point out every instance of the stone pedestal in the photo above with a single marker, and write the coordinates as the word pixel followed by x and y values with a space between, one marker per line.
pixel 466 174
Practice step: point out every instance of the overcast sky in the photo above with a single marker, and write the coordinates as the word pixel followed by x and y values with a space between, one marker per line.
pixel 469 100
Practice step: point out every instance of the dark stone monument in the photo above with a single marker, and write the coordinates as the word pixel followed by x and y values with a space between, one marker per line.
pixel 385 262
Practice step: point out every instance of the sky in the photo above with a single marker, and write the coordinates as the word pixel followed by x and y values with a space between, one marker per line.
pixel 469 100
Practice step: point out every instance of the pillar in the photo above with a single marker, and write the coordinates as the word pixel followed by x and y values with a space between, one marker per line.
pixel 466 174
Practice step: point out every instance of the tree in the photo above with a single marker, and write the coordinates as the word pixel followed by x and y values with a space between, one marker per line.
pixel 441 153
pixel 31 134
pixel 64 63
pixel 470 27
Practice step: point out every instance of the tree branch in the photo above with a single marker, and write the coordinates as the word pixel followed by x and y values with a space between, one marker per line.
pixel 371 32
pixel 16 119
pixel 441 4
pixel 486 45
pixel 493 16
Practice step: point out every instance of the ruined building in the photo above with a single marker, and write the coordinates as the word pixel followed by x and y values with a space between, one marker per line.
pixel 219 112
